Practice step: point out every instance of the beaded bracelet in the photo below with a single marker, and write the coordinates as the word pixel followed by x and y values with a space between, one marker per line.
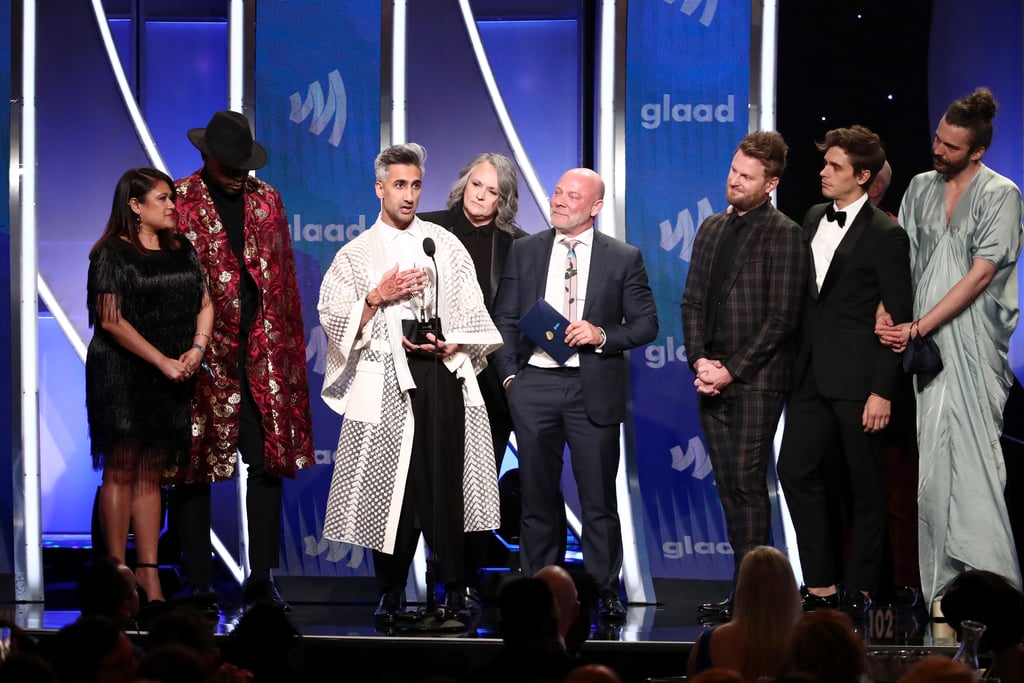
pixel 201 334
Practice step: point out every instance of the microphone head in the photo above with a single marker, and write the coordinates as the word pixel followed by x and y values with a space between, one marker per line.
pixel 428 246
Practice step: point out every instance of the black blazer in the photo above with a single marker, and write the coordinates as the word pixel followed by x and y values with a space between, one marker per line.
pixel 871 263
pixel 502 242
pixel 619 300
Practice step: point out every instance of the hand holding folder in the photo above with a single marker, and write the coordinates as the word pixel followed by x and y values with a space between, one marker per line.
pixel 546 328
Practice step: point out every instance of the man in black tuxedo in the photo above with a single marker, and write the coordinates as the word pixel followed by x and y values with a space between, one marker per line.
pixel 600 284
pixel 741 306
pixel 845 378
pixel 481 212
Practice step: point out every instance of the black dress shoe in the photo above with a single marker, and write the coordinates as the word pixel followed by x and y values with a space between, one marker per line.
pixel 716 607
pixel 813 602
pixel 612 610
pixel 388 609
pixel 264 591
pixel 855 603
pixel 457 605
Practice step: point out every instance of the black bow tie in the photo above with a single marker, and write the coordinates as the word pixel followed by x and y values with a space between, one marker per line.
pixel 835 216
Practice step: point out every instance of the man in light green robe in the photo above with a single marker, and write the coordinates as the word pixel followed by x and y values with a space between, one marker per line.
pixel 964 223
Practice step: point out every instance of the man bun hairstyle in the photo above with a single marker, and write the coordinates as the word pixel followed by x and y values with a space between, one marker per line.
pixel 975 112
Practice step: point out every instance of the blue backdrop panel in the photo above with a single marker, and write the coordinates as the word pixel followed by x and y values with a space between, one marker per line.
pixel 6 433
pixel 454 117
pixel 687 93
pixel 991 36
pixel 318 115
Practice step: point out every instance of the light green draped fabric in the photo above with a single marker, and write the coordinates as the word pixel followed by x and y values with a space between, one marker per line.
pixel 962 515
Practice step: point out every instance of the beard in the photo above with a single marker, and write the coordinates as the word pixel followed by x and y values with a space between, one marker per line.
pixel 949 168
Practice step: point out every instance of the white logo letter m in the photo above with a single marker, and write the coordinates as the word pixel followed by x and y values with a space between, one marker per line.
pixel 335 106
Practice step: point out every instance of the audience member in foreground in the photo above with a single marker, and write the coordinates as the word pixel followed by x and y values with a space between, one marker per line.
pixel 939 669
pixel 766 609
pixel 531 649
pixel 991 599
pixel 827 649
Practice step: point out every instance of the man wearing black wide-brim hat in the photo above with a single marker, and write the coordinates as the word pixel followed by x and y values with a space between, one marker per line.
pixel 255 398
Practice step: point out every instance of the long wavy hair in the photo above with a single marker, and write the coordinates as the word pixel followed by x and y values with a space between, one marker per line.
pixel 135 184
pixel 766 607
pixel 508 188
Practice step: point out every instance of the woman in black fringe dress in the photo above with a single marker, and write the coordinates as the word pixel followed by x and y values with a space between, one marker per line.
pixel 152 317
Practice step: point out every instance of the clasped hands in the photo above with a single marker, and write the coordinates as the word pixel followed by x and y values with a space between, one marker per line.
pixel 183 367
pixel 712 377
pixel 894 336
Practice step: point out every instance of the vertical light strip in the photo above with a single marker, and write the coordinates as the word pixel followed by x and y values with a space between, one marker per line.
pixel 399 104
pixel 612 221
pixel 236 55
pixel 518 151
pixel 611 164
pixel 27 535
pixel 127 96
pixel 769 55
pixel 766 121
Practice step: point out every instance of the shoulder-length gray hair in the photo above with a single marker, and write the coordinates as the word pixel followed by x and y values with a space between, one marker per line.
pixel 508 188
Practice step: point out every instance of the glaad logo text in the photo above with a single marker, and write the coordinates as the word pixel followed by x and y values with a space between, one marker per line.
pixel 334 106
pixel 653 114
pixel 688 7
pixel 685 229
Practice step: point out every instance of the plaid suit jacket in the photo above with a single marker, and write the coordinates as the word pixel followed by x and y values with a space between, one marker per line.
pixel 762 297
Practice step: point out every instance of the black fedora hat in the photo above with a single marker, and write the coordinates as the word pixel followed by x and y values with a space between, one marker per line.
pixel 228 139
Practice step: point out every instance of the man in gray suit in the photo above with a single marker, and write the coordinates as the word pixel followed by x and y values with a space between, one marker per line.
pixel 601 286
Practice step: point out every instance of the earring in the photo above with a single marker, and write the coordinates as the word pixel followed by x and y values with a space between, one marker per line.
pixel 138 222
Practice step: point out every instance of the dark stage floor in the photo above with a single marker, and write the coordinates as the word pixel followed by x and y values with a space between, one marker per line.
pixel 653 642
pixel 335 619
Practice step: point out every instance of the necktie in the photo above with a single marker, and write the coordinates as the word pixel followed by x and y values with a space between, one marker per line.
pixel 569 299
pixel 835 216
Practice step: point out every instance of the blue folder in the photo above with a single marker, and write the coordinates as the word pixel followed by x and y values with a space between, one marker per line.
pixel 546 328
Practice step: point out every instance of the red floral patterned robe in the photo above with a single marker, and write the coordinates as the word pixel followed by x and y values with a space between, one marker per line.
pixel 277 351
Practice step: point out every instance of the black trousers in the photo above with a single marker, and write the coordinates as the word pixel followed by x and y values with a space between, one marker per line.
pixel 190 505
pixel 478 542
pixel 547 407
pixel 433 502
pixel 818 428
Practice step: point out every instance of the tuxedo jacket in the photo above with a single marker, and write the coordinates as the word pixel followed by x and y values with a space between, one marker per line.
pixel 761 297
pixel 837 339
pixel 618 299
pixel 500 245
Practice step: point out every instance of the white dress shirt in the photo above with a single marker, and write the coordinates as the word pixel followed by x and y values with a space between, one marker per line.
pixel 826 240
pixel 554 290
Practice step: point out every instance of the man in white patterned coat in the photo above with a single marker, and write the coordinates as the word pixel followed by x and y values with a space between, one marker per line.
pixel 415 429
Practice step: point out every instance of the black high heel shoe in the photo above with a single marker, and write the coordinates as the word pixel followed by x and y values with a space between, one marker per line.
pixel 149 610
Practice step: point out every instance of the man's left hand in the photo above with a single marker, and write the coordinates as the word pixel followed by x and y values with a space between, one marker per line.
pixel 581 333
pixel 876 413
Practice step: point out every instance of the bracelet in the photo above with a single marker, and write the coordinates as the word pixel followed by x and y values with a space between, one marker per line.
pixel 202 349
pixel 202 334
pixel 366 300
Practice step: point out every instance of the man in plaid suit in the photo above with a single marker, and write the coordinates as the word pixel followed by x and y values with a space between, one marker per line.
pixel 740 309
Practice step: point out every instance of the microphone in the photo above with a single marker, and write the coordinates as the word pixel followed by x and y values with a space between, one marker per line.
pixel 425 324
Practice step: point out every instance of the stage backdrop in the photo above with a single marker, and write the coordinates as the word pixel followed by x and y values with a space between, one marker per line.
pixel 318 75
pixel 687 91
